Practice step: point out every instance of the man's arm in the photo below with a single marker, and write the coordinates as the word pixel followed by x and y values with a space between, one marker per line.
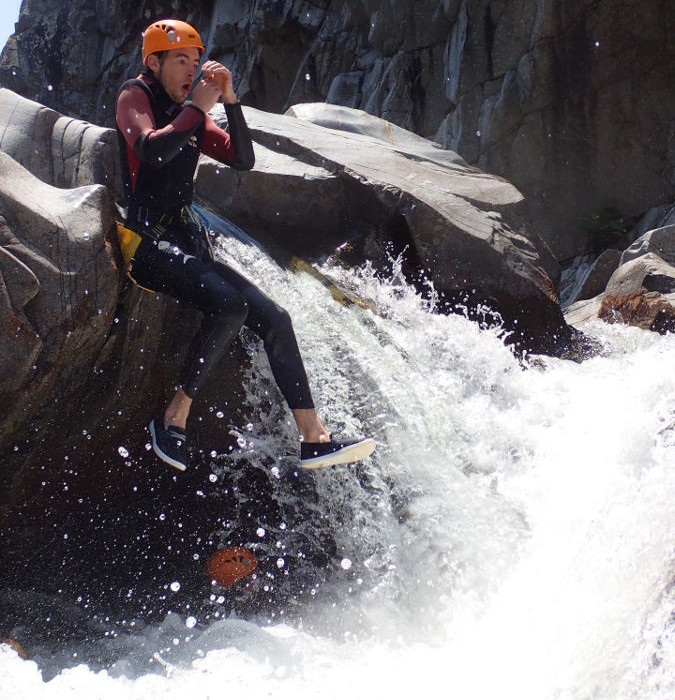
pixel 235 149
pixel 154 146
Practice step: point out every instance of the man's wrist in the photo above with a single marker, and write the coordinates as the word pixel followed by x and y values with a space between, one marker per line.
pixel 229 98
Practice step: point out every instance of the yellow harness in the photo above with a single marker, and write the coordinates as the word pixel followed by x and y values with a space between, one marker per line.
pixel 129 242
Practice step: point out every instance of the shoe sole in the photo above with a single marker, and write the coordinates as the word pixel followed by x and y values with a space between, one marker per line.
pixel 347 455
pixel 162 455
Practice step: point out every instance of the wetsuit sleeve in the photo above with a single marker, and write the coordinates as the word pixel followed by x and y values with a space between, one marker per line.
pixel 154 146
pixel 236 148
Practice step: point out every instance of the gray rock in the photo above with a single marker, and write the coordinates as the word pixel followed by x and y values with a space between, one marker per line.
pixel 358 122
pixel 582 311
pixel 58 288
pixel 660 241
pixel 599 274
pixel 61 151
pixel 468 229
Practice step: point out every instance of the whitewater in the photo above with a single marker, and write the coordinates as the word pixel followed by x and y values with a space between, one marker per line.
pixel 511 537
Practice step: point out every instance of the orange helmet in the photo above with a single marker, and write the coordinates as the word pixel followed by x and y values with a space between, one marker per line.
pixel 168 34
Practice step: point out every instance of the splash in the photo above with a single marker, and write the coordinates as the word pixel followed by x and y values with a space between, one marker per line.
pixel 511 537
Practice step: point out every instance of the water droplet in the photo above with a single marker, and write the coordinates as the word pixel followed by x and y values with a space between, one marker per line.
pixel 214 454
pixel 280 563
pixel 123 452
pixel 213 478
pixel 346 564
pixel 50 87
pixel 162 516
pixel 175 586
pixel 283 526
pixel 260 532
pixel 220 414
pixel 190 622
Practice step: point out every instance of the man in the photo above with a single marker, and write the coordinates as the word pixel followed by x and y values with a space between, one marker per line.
pixel 166 250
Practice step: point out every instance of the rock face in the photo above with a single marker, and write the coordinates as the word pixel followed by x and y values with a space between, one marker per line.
pixel 599 274
pixel 569 100
pixel 87 359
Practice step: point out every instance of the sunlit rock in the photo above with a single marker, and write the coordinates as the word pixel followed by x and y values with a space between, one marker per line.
pixel 660 241
pixel 640 293
pixel 58 150
pixel 58 287
pixel 351 177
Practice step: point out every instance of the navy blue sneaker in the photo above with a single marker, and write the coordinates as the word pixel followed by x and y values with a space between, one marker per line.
pixel 314 455
pixel 170 444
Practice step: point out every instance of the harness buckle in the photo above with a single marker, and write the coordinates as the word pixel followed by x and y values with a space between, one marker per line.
pixel 142 214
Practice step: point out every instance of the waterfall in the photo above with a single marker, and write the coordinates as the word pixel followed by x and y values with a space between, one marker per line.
pixel 512 536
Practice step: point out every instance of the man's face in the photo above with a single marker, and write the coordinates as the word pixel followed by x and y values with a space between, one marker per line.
pixel 177 71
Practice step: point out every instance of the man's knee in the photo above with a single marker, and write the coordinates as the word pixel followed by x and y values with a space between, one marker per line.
pixel 280 324
pixel 232 307
pixel 239 308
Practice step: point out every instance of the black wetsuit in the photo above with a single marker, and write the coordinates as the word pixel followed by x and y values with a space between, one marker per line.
pixel 174 256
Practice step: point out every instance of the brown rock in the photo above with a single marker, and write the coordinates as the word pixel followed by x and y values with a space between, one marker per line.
pixel 642 293
pixel 13 644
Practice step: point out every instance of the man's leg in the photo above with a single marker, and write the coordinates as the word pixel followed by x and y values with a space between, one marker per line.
pixel 164 268
pixel 178 410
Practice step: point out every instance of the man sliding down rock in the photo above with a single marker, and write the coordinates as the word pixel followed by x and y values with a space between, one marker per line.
pixel 167 250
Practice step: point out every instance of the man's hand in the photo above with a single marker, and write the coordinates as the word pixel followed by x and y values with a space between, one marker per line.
pixel 218 74
pixel 205 94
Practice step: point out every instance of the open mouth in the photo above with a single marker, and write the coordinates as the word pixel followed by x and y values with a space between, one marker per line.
pixel 186 87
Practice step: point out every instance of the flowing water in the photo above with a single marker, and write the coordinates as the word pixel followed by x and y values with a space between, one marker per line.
pixel 512 537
